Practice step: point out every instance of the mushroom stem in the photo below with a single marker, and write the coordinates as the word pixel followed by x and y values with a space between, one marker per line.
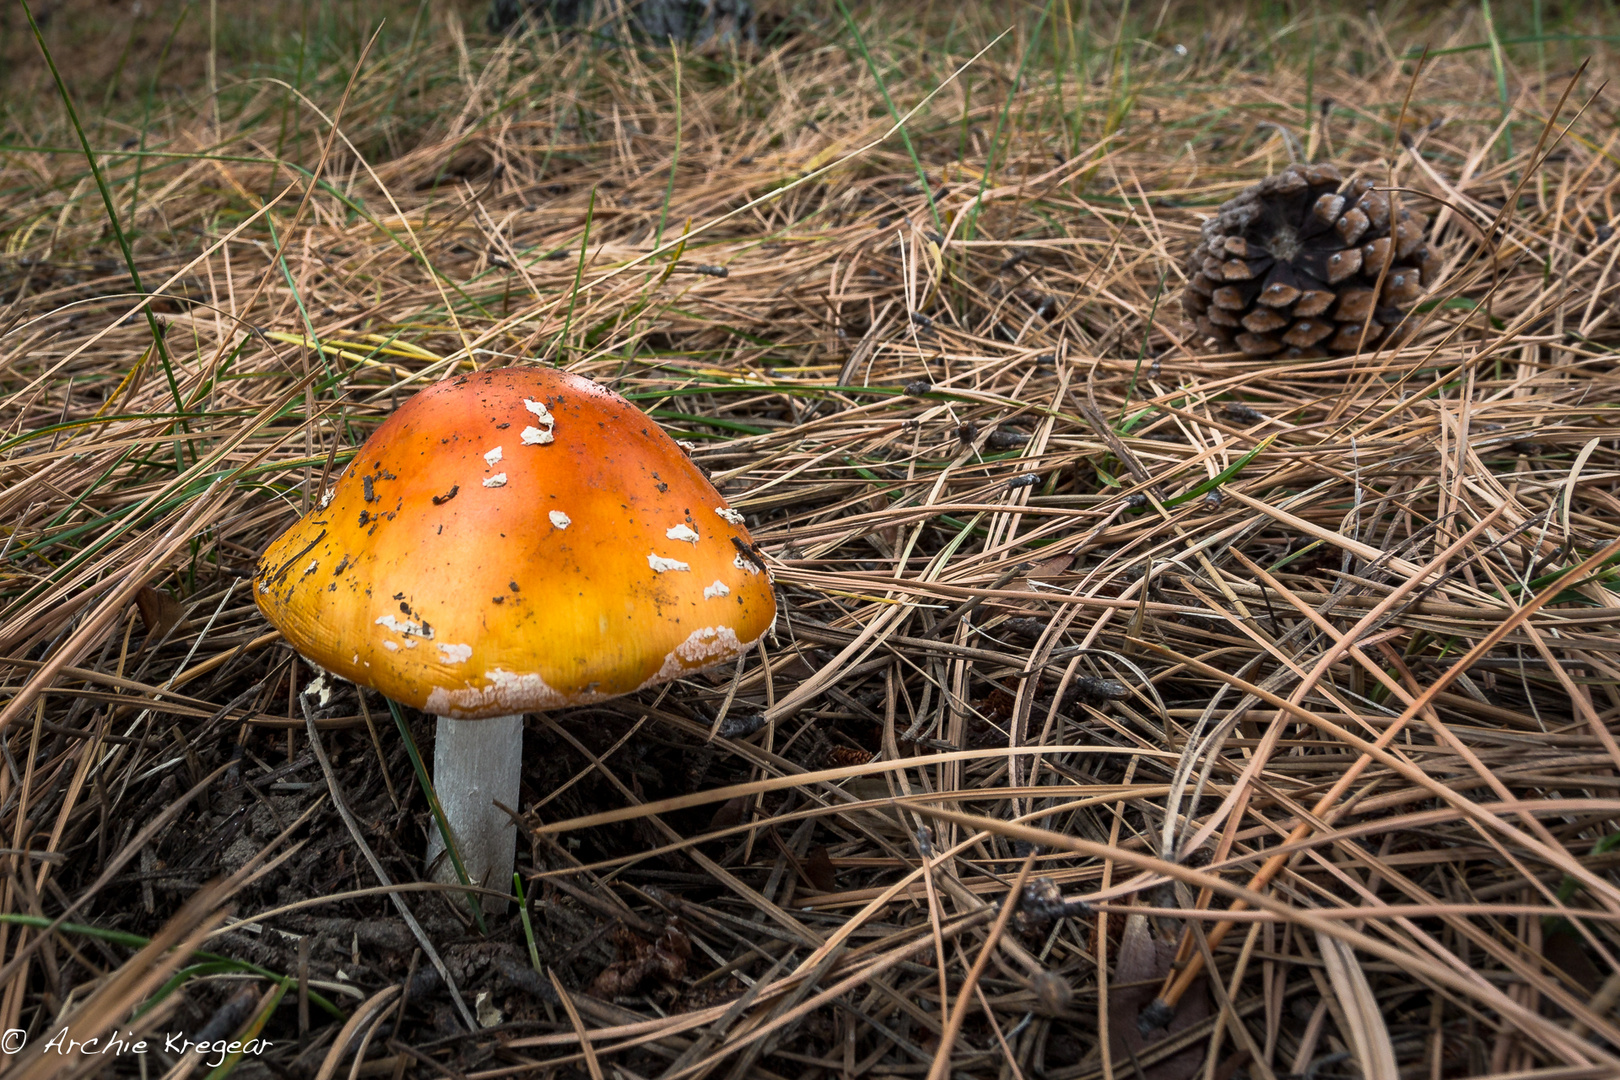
pixel 476 764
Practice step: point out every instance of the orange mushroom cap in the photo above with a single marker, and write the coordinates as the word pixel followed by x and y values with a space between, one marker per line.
pixel 516 540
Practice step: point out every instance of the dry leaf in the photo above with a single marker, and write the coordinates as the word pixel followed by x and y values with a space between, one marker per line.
pixel 1146 961
pixel 640 960
pixel 729 813
pixel 1051 568
pixel 818 868
pixel 160 612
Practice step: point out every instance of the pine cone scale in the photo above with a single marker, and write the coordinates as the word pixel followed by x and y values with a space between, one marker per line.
pixel 1314 303
pixel 1263 321
pixel 1354 306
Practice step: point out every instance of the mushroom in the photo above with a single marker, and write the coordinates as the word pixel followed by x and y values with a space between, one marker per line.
pixel 506 542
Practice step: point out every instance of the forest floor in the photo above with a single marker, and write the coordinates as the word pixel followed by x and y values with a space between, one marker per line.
pixel 1087 632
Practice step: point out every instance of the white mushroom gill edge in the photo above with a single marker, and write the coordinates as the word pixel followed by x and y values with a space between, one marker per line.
pixel 702 647
pixel 321 688
pixel 503 690
pixel 508 691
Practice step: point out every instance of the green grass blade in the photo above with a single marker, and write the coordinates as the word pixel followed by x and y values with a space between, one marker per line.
pixel 561 342
pixel 474 904
pixel 894 113
pixel 112 219
pixel 1499 67
pixel 675 158
pixel 1001 122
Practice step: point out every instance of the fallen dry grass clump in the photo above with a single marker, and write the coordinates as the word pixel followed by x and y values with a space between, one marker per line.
pixel 1108 670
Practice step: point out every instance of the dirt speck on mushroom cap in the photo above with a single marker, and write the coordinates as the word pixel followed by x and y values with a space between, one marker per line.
pixel 527 615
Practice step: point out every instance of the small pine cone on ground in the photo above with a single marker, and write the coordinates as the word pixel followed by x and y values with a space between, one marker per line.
pixel 1291 266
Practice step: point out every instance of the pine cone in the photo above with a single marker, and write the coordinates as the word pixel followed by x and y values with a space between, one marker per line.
pixel 1291 266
